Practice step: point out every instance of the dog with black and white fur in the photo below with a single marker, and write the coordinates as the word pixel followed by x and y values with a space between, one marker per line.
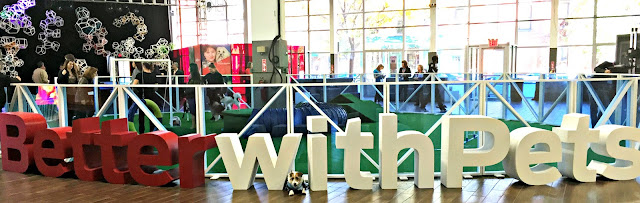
pixel 228 102
pixel 295 184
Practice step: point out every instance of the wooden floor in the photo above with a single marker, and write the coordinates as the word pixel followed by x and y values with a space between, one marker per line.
pixel 16 187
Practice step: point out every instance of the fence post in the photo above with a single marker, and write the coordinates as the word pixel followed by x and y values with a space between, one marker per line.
pixel 572 97
pixel 505 93
pixel 633 103
pixel 290 110
pixel 386 98
pixel 62 106
pixel 432 87
pixel 397 93
pixel 122 102
pixel 96 98
pixel 324 88
pixel 482 111
pixel 18 91
pixel 540 98
pixel 201 127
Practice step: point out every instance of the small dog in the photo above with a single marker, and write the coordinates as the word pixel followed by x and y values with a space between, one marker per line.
pixel 176 121
pixel 295 184
pixel 222 53
pixel 228 102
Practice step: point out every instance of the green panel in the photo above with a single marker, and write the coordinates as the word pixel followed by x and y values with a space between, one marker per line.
pixel 406 121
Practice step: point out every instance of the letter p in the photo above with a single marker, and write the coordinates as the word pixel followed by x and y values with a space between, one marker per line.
pixel 454 156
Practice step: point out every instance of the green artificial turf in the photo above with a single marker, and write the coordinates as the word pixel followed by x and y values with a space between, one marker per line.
pixel 406 121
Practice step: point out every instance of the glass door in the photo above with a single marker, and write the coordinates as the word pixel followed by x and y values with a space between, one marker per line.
pixel 492 61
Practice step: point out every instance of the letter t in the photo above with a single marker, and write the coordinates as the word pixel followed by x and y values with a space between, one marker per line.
pixel 352 141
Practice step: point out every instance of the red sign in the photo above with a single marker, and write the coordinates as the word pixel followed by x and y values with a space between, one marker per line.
pixel 111 153
pixel 264 65
pixel 493 42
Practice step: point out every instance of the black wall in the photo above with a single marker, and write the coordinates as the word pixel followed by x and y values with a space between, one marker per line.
pixel 156 19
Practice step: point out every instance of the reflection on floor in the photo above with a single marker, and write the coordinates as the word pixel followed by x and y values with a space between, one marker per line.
pixel 16 187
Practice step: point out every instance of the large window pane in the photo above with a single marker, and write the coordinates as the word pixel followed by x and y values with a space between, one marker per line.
pixel 487 2
pixel 618 7
pixel 296 8
pixel 189 41
pixel 383 19
pixel 575 32
pixel 532 60
pixel 382 5
pixel 451 3
pixel 382 39
pixel 320 41
pixel 349 21
pixel 189 13
pixel 481 33
pixel 296 23
pixel 320 63
pixel 606 53
pixel 349 63
pixel 297 38
pixel 417 17
pixel 452 37
pixel 534 11
pixel 217 13
pixel 417 37
pixel 236 12
pixel 318 7
pixel 452 15
pixel 496 13
pixel 349 40
pixel 236 26
pixel 415 58
pixel 236 39
pixel 319 22
pixel 450 61
pixel 609 28
pixel 574 59
pixel 416 4
pixel 575 8
pixel 533 33
pixel 217 37
pixel 349 6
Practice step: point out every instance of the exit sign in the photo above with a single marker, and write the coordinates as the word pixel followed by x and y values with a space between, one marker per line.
pixel 493 42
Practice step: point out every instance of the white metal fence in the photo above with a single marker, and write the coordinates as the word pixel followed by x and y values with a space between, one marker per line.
pixel 466 94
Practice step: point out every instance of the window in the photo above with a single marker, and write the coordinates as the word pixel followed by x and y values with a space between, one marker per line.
pixel 368 32
pixel 307 23
pixel 533 60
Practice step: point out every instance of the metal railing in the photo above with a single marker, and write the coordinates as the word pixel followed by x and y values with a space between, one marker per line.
pixel 473 94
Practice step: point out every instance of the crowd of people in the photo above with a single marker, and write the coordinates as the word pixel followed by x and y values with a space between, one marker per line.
pixel 404 74
pixel 80 100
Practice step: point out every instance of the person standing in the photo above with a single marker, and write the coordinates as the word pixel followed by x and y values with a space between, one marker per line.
pixel 146 77
pixel 420 75
pixel 405 75
pixel 176 75
pixel 68 73
pixel 5 82
pixel 39 76
pixel 433 69
pixel 136 69
pixel 177 72
pixel 379 76
pixel 190 94
pixel 215 94
pixel 83 99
